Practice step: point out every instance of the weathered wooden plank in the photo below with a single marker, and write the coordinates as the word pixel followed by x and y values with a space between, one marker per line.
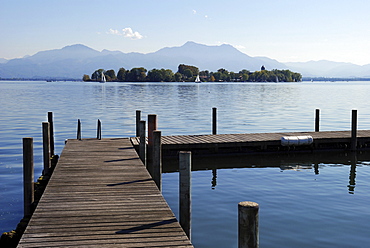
pixel 100 195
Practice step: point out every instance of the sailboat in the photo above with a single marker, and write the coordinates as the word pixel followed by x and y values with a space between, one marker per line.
pixel 103 79
pixel 197 80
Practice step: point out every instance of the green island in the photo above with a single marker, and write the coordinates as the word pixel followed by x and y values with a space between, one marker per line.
pixel 188 73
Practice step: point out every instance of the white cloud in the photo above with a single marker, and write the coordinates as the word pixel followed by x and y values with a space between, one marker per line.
pixel 194 12
pixel 126 32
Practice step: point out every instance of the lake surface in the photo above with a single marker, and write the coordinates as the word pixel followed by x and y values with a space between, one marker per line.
pixel 304 201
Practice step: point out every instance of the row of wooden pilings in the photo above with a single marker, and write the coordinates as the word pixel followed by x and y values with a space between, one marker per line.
pixel 150 154
pixel 28 163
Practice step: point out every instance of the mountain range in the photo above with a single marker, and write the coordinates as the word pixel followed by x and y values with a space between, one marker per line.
pixel 76 60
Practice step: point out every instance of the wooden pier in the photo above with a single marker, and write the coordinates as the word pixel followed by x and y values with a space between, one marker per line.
pixel 101 195
pixel 257 143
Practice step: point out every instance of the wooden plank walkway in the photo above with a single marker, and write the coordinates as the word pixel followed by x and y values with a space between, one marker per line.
pixel 101 195
pixel 257 142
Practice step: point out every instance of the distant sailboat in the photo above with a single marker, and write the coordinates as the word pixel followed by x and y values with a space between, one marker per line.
pixel 103 79
pixel 197 80
pixel 276 79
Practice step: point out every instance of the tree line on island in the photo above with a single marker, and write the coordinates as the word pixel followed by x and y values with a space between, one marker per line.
pixel 188 73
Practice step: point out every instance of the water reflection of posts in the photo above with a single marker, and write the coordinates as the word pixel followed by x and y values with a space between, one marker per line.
pixel 248 235
pixel 157 161
pixel 28 185
pixel 316 166
pixel 317 120
pixel 352 174
pixel 354 130
pixel 214 178
pixel 50 120
pixel 152 125
pixel 142 144
pixel 46 147
pixel 214 120
pixel 185 191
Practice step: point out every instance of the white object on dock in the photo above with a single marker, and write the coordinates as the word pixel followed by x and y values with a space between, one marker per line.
pixel 296 140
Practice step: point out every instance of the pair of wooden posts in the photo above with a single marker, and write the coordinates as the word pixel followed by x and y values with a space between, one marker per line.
pixel 353 127
pixel 79 131
pixel 28 162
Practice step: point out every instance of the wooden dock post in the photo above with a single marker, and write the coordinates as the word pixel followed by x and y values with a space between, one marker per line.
pixel 98 130
pixel 28 185
pixel 142 145
pixel 152 125
pixel 51 122
pixel 46 147
pixel 157 160
pixel 138 119
pixel 214 120
pixel 317 120
pixel 79 129
pixel 185 191
pixel 354 130
pixel 248 236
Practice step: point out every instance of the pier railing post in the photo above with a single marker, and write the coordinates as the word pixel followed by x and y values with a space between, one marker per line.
pixel 28 177
pixel 248 236
pixel 98 130
pixel 354 130
pixel 138 119
pixel 51 122
pixel 214 120
pixel 46 147
pixel 157 161
pixel 142 144
pixel 185 191
pixel 317 120
pixel 79 129
pixel 152 125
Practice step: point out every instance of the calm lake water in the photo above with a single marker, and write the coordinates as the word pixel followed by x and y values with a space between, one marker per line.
pixel 305 201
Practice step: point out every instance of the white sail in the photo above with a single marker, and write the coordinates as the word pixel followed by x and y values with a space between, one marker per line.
pixel 103 79
pixel 197 80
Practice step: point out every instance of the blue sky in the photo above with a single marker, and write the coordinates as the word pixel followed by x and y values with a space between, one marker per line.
pixel 285 30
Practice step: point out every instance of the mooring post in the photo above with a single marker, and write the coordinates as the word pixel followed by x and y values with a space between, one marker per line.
pixel 152 125
pixel 317 120
pixel 354 130
pixel 98 130
pixel 185 191
pixel 248 236
pixel 157 161
pixel 46 147
pixel 50 120
pixel 79 129
pixel 28 185
pixel 142 144
pixel 138 119
pixel 214 120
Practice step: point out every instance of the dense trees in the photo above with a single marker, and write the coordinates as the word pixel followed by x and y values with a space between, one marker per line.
pixel 188 73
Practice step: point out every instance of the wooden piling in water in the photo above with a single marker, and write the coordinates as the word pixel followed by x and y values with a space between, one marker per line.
pixel 214 120
pixel 317 120
pixel 28 176
pixel 248 236
pixel 142 144
pixel 51 122
pixel 185 191
pixel 138 119
pixel 157 160
pixel 152 125
pixel 46 147
pixel 354 130
pixel 79 129
pixel 98 130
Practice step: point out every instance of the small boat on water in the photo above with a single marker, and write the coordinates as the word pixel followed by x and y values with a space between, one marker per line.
pixel 103 79
pixel 197 80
